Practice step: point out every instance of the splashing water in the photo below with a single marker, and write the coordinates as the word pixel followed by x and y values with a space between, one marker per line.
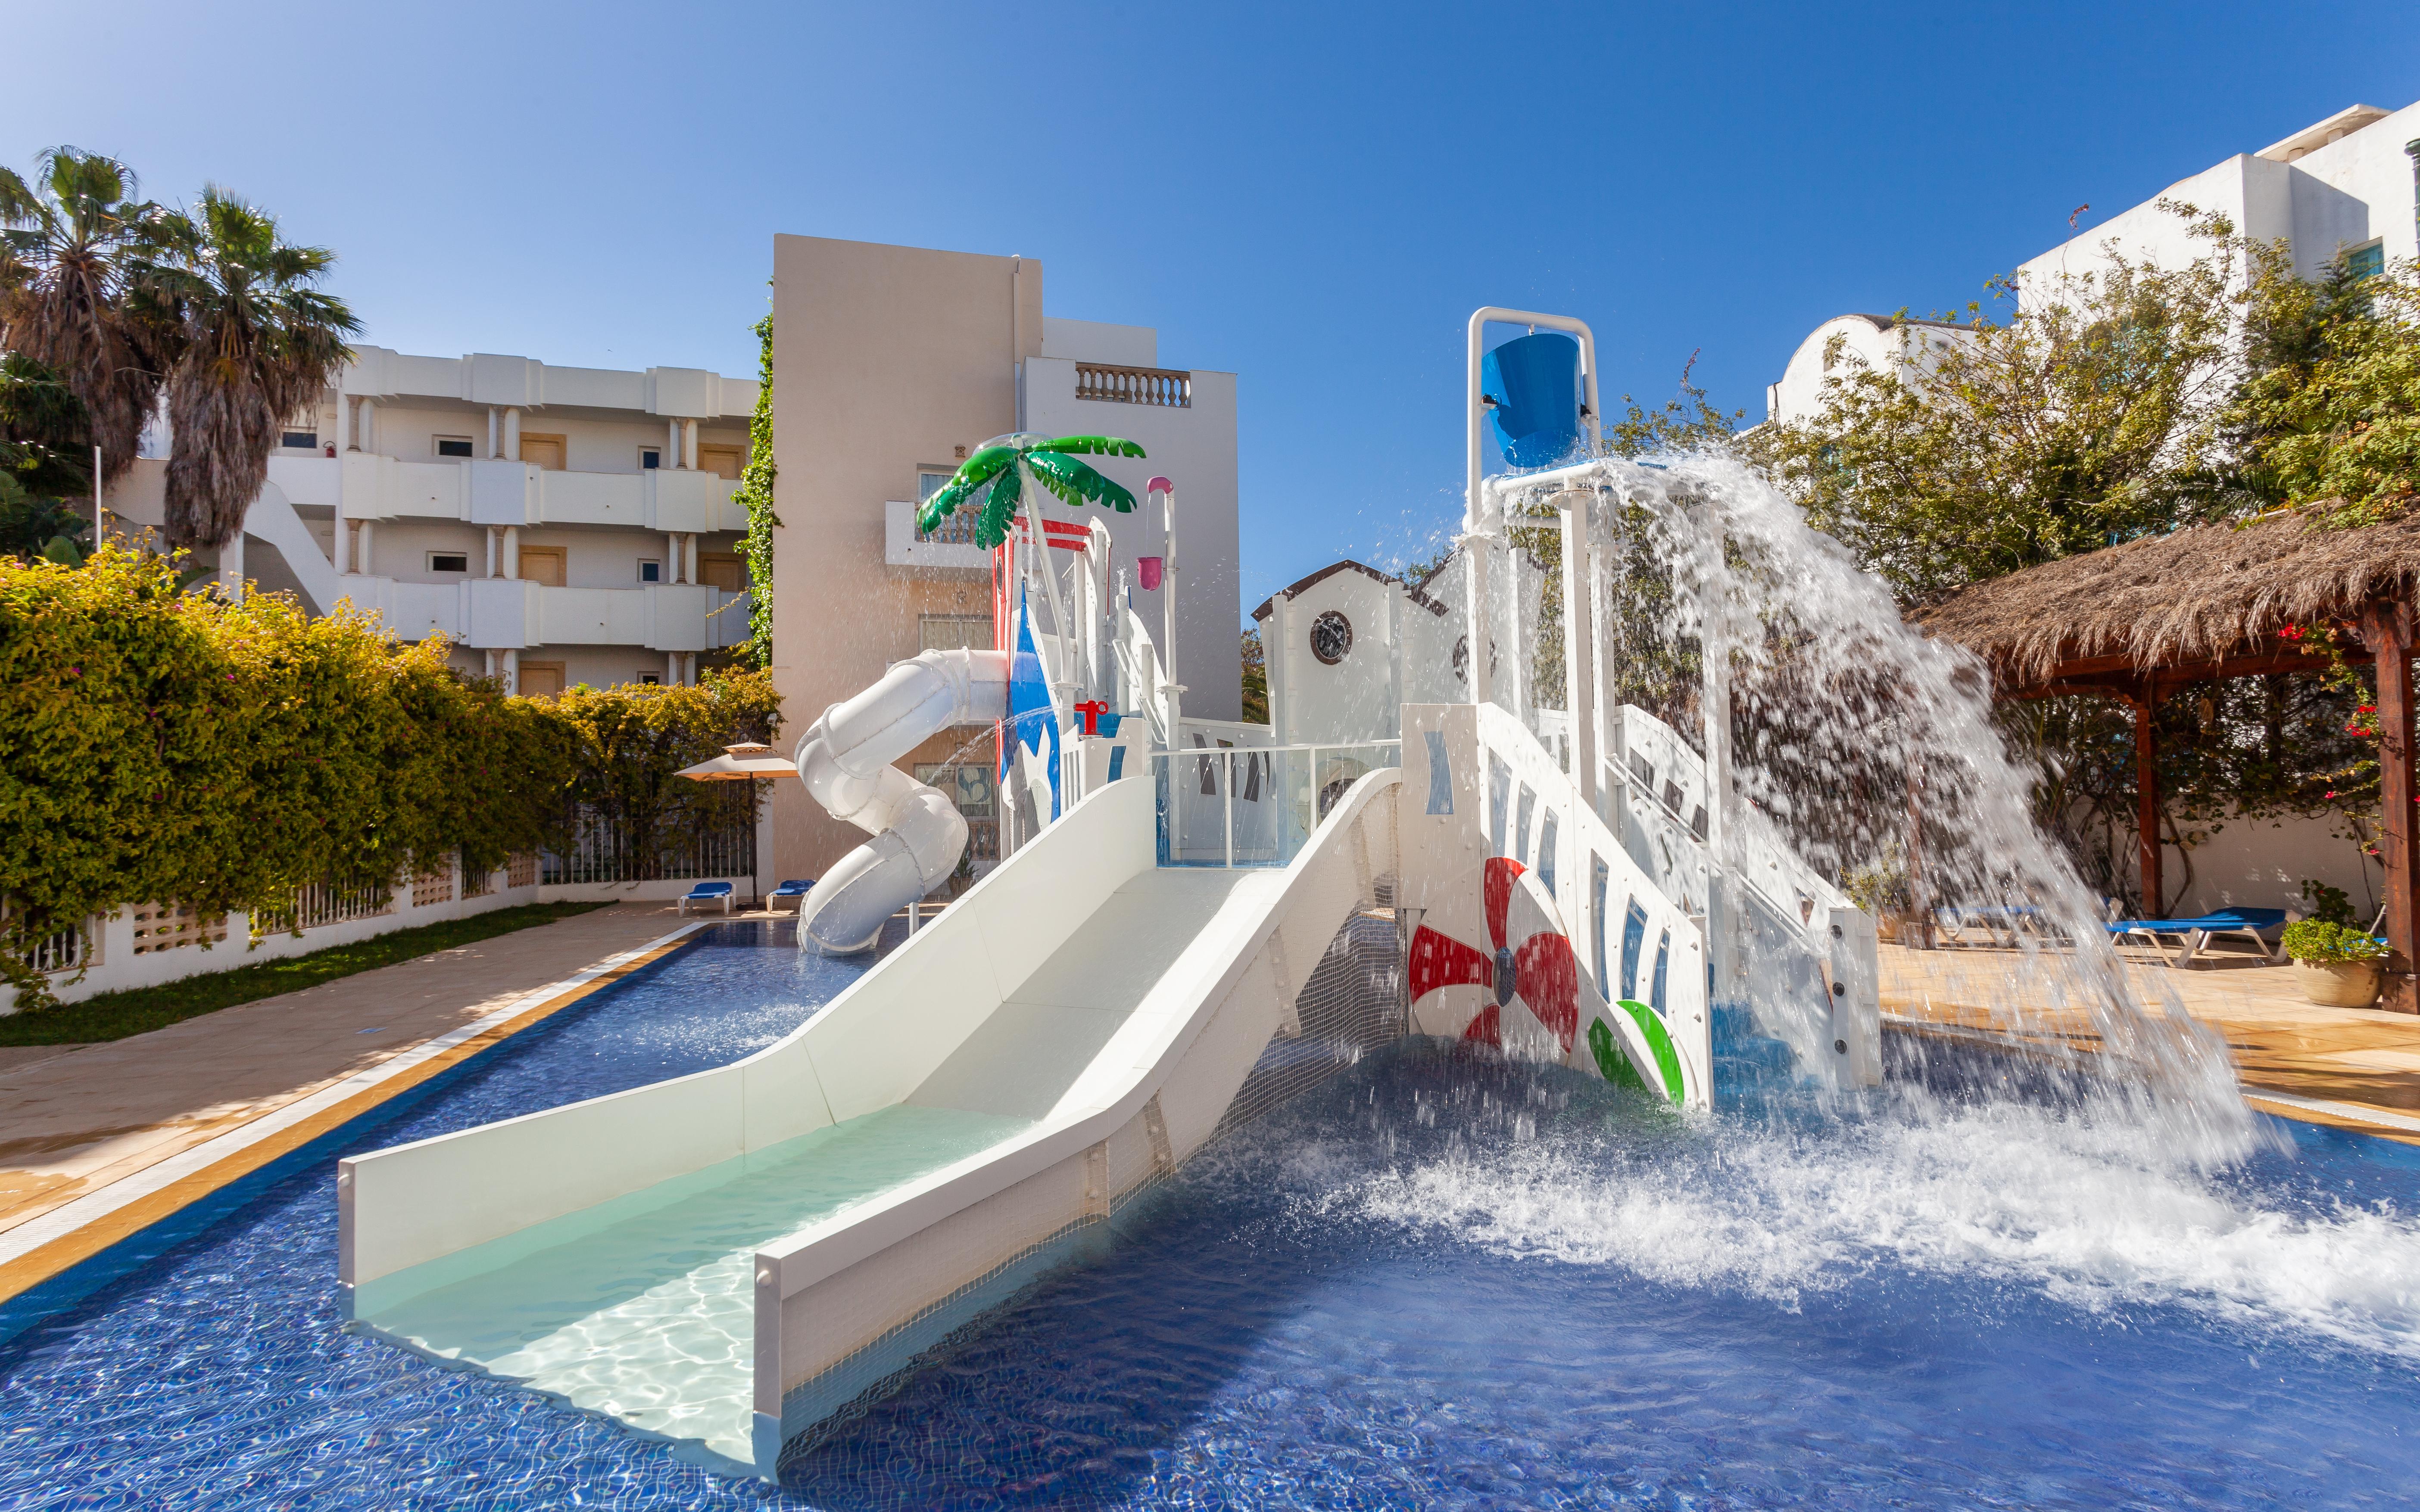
pixel 1865 746
pixel 2068 1203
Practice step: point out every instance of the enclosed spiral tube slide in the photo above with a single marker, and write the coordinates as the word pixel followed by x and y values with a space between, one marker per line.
pixel 846 762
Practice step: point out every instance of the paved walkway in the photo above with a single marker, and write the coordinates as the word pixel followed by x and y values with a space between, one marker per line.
pixel 2360 1065
pixel 74 1120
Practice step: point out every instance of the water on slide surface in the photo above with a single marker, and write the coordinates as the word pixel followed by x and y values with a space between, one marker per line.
pixel 1438 1281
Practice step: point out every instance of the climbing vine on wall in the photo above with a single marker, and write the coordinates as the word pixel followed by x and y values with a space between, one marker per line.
pixel 172 748
pixel 756 492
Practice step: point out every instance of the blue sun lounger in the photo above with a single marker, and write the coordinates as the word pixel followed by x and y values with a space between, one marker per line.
pixel 2198 933
pixel 789 894
pixel 707 892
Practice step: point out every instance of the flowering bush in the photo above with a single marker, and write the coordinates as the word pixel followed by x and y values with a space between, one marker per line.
pixel 162 747
pixel 2317 940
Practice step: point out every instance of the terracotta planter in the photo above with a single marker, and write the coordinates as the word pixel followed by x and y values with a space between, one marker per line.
pixel 2337 983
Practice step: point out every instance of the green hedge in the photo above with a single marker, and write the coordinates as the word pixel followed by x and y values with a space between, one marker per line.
pixel 165 746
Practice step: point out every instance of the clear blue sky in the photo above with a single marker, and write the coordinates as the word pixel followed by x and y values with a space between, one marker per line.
pixel 1314 197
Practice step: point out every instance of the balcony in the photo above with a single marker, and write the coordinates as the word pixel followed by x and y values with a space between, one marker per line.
pixel 509 612
pixel 951 546
pixel 665 617
pixel 1164 387
pixel 491 491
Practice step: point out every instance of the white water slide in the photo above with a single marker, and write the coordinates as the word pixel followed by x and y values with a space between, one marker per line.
pixel 846 761
pixel 727 1258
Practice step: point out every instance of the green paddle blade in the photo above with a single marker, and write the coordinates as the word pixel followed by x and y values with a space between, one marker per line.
pixel 1076 484
pixel 999 510
pixel 1094 446
pixel 945 499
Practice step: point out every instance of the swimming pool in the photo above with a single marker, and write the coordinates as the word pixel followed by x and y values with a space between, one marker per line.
pixel 1435 1281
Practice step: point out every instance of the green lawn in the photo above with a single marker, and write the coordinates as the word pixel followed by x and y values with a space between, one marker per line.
pixel 116 1016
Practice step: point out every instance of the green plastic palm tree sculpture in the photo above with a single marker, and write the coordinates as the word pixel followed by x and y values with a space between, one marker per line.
pixel 1000 470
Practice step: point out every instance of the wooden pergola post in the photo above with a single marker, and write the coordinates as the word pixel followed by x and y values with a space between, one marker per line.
pixel 2146 796
pixel 2387 629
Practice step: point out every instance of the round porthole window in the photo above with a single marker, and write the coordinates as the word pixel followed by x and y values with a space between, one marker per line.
pixel 1462 660
pixel 1331 637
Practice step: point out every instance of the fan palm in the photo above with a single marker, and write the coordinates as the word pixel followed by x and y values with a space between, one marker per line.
pixel 260 342
pixel 1000 468
pixel 74 244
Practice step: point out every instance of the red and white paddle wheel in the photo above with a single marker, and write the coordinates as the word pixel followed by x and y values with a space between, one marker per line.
pixel 1524 992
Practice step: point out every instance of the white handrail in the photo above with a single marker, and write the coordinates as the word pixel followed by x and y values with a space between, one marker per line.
pixel 1227 754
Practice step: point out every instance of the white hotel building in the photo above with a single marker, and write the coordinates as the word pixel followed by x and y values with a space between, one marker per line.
pixel 2347 185
pixel 561 525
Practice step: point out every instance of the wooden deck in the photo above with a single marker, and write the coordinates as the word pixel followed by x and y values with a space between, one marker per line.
pixel 2360 1066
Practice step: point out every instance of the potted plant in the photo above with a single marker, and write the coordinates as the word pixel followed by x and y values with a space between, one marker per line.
pixel 2336 965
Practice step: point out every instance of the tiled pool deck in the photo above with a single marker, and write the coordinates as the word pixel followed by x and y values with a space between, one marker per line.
pixel 98 1140
pixel 2360 1066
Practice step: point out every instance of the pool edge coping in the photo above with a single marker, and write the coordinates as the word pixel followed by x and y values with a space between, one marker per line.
pixel 50 1243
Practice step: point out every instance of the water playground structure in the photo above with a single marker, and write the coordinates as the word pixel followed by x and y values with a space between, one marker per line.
pixel 1186 929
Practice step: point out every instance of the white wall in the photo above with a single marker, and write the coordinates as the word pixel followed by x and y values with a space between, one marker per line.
pixel 1879 343
pixel 120 967
pixel 2262 863
pixel 1195 449
pixel 2330 197
pixel 1095 341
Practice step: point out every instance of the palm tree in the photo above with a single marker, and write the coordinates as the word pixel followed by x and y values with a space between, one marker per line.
pixel 258 343
pixel 74 242
pixel 1000 469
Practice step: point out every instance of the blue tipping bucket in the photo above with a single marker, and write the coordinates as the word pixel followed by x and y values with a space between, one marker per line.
pixel 1535 381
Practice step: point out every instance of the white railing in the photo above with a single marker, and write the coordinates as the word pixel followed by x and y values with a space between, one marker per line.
pixel 1665 783
pixel 326 902
pixel 70 949
pixel 1169 387
pixel 1284 791
pixel 1632 940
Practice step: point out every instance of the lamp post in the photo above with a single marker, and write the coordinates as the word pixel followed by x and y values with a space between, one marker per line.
pixel 1167 492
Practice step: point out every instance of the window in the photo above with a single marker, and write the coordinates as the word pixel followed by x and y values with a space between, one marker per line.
pixel 449 561
pixel 543 564
pixel 1331 637
pixel 969 785
pixel 953 632
pixel 2367 261
pixel 650 678
pixel 300 440
pixel 454 446
pixel 929 482
pixel 650 459
pixel 650 572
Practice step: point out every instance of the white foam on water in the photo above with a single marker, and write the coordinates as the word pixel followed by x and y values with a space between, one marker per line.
pixel 2084 1209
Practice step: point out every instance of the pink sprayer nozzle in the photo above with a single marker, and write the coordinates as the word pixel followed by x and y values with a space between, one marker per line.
pixel 1158 485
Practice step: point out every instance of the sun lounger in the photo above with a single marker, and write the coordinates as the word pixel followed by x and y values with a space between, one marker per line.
pixel 789 894
pixel 1997 924
pixel 709 892
pixel 2197 934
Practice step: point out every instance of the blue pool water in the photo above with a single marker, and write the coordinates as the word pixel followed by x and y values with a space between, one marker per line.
pixel 1436 1281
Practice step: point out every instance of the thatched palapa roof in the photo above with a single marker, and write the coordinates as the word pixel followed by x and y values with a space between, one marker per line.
pixel 2209 594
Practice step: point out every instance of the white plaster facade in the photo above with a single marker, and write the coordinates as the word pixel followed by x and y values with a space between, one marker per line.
pixel 1348 646
pixel 1845 343
pixel 561 525
pixel 2344 185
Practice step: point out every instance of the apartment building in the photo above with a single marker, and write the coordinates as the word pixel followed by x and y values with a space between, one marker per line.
pixel 562 525
pixel 892 364
pixel 2348 186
